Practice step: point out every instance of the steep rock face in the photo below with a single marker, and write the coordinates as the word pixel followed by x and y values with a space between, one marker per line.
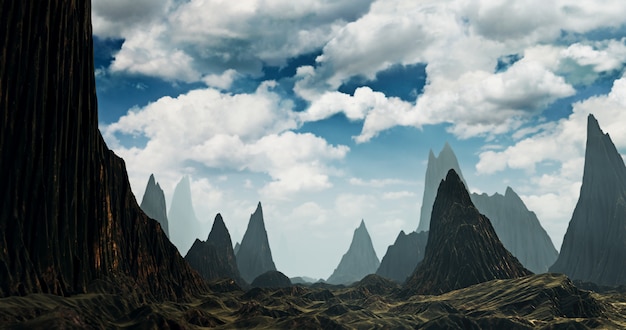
pixel 254 256
pixel 153 204
pixel 184 225
pixel 215 258
pixel 403 256
pixel 67 213
pixel 435 172
pixel 594 246
pixel 271 279
pixel 463 248
pixel 359 261
pixel 236 248
pixel 518 229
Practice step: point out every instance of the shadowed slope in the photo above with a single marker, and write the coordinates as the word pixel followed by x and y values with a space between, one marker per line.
pixel 67 213
pixel 255 256
pixel 463 248
pixel 403 256
pixel 358 261
pixel 594 246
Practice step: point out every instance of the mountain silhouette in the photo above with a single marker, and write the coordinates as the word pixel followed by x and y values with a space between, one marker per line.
pixel 360 259
pixel 153 203
pixel 403 256
pixel 254 256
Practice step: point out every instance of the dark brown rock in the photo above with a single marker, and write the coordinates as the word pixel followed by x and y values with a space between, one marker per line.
pixel 67 213
pixel 463 248
pixel 214 258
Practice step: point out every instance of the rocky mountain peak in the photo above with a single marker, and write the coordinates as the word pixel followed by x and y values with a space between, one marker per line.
pixel 359 261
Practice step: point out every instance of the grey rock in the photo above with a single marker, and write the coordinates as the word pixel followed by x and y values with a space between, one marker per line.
pixel 254 256
pixel 153 204
pixel 360 259
pixel 403 256
pixel 184 225
pixel 594 246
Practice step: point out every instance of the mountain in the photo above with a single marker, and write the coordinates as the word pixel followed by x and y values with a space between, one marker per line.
pixel 594 246
pixel 463 248
pixel 215 258
pixel 236 248
pixel 435 172
pixel 403 256
pixel 271 279
pixel 518 229
pixel 359 261
pixel 184 225
pixel 153 203
pixel 69 222
pixel 254 256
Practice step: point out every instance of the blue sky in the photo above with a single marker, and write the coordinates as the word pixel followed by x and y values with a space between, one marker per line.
pixel 325 110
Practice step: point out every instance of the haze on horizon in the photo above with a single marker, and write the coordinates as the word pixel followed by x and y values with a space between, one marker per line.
pixel 326 111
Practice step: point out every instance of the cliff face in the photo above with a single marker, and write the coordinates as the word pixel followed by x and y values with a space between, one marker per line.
pixel 594 246
pixel 403 256
pixel 67 214
pixel 153 204
pixel 463 248
pixel 215 258
pixel 518 229
pixel 254 256
pixel 360 259
pixel 435 172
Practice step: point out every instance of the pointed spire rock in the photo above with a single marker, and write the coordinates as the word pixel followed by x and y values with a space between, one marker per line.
pixel 215 259
pixel 183 224
pixel 435 171
pixel 463 248
pixel 255 256
pixel 518 228
pixel 594 246
pixel 403 256
pixel 153 204
pixel 360 259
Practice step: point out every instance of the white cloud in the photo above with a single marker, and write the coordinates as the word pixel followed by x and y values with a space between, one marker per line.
pixel 398 194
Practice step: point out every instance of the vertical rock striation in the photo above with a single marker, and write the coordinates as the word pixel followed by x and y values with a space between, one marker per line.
pixel 255 256
pixel 67 214
pixel 403 256
pixel 153 204
pixel 518 229
pixel 594 246
pixel 360 259
pixel 463 248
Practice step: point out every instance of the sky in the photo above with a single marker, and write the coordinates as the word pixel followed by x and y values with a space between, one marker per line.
pixel 325 110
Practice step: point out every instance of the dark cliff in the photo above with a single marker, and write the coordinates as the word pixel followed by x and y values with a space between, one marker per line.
pixel 594 246
pixel 67 213
pixel 463 248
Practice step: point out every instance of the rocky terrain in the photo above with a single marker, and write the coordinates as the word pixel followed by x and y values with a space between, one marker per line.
pixel 403 256
pixel 358 261
pixel 463 248
pixel 518 229
pixel 214 258
pixel 594 246
pixel 254 256
pixel 153 204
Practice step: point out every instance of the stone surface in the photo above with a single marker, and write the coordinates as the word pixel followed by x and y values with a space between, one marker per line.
pixel 255 256
pixel 214 258
pixel 153 204
pixel 436 171
pixel 403 256
pixel 463 248
pixel 594 246
pixel 68 218
pixel 271 279
pixel 184 225
pixel 518 229
pixel 360 259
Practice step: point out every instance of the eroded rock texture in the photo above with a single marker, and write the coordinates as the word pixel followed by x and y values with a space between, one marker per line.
pixel 67 213
pixel 463 248
pixel 594 246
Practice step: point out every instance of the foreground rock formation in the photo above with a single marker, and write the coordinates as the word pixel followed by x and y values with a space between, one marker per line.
pixel 358 261
pixel 463 248
pixel 254 256
pixel 403 256
pixel 153 204
pixel 184 225
pixel 214 258
pixel 594 246
pixel 518 229
pixel 436 170
pixel 69 221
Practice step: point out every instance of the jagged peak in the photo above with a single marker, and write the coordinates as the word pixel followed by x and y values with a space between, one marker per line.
pixel 431 155
pixel 151 180
pixel 593 127
pixel 362 225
